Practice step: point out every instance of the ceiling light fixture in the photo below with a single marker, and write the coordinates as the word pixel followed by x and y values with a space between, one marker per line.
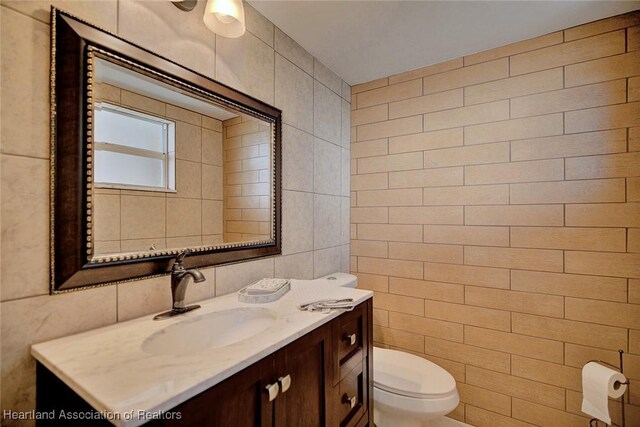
pixel 225 17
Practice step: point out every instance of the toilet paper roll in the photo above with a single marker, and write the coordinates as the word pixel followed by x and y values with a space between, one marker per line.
pixel 599 383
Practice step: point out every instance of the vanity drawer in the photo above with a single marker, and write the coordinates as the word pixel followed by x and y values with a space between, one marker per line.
pixel 352 395
pixel 350 336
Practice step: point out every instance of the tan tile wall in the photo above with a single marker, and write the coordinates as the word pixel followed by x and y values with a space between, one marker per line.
pixel 495 216
pixel 132 220
pixel 247 180
pixel 264 63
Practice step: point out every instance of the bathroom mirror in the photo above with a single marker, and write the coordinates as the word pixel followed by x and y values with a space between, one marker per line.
pixel 150 158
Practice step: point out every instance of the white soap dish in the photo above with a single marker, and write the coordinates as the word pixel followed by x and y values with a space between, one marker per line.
pixel 266 286
pixel 264 291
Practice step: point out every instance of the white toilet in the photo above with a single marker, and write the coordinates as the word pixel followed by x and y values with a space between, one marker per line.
pixel 408 390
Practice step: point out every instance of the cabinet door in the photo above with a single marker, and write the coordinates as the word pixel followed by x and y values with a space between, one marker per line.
pixel 238 401
pixel 307 362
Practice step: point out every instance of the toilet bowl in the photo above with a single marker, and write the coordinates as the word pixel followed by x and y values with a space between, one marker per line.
pixel 408 390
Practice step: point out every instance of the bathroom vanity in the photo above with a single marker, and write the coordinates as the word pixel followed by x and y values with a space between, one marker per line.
pixel 298 369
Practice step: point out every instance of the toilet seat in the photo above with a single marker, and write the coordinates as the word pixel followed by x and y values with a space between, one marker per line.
pixel 411 376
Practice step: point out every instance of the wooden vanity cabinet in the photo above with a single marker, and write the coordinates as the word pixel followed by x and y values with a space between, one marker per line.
pixel 328 371
pixel 237 401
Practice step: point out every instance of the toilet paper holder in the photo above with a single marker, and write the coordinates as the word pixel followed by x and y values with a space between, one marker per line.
pixel 616 385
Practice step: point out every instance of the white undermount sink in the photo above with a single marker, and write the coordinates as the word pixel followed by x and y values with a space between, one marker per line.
pixel 211 330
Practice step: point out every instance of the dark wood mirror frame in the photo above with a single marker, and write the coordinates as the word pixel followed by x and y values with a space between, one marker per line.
pixel 73 45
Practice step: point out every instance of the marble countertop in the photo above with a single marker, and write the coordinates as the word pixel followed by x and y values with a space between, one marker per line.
pixel 108 368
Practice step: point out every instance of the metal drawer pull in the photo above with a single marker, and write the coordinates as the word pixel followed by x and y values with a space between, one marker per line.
pixel 285 382
pixel 350 339
pixel 351 401
pixel 273 390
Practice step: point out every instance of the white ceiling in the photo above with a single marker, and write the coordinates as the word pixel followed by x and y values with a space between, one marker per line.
pixel 366 40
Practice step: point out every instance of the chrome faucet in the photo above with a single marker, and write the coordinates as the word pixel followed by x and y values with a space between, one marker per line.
pixel 179 280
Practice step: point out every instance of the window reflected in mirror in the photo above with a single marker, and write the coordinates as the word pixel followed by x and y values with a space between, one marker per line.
pixel 133 150
pixel 175 170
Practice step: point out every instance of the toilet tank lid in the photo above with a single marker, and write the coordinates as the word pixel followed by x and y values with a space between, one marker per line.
pixel 409 375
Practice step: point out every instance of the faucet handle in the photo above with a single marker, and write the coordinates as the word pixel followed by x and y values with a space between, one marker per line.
pixel 180 258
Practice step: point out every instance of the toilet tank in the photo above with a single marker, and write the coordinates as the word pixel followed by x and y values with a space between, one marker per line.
pixel 340 279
